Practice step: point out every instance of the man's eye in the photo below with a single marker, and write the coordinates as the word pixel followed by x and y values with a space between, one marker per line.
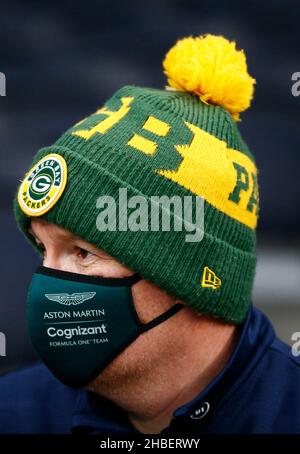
pixel 83 253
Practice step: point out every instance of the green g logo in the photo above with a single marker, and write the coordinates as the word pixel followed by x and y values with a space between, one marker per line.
pixel 43 185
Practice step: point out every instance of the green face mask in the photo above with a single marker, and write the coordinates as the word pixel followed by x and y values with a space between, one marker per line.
pixel 78 324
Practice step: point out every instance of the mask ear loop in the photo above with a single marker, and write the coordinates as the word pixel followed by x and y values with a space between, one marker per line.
pixel 157 320
pixel 161 318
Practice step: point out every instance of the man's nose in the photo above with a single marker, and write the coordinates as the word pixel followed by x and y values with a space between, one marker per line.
pixel 57 261
pixel 50 261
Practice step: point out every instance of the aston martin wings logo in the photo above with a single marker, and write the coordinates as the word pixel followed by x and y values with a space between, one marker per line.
pixel 70 299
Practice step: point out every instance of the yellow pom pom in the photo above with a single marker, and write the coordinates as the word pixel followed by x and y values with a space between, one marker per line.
pixel 212 68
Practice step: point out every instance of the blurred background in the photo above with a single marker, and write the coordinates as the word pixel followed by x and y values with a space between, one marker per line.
pixel 62 60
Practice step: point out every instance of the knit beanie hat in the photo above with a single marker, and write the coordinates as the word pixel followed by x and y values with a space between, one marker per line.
pixel 177 142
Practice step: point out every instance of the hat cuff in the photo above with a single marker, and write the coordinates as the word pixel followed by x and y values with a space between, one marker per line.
pixel 163 257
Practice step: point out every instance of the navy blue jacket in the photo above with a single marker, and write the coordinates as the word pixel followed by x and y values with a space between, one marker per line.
pixel 257 392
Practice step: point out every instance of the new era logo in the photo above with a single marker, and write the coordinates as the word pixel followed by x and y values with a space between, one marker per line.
pixel 210 279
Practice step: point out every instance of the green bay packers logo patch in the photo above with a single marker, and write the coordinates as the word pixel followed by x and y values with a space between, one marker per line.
pixel 43 185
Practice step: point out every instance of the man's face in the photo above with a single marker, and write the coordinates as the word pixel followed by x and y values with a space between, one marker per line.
pixel 65 251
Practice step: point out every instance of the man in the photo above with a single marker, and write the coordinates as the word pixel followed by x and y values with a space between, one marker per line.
pixel 141 330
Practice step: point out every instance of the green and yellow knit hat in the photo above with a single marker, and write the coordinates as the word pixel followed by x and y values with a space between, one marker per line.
pixel 181 141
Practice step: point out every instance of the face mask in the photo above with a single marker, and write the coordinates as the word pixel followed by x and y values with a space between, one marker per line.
pixel 79 324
